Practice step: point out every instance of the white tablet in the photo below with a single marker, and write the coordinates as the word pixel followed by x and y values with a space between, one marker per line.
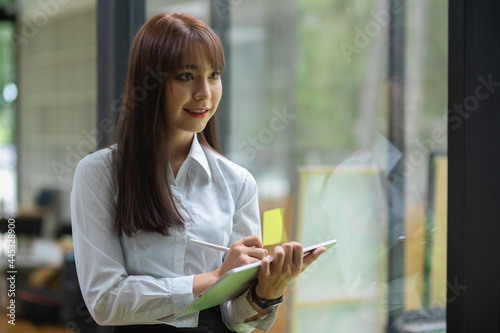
pixel 232 284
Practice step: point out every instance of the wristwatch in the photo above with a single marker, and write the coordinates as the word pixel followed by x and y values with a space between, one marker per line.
pixel 264 304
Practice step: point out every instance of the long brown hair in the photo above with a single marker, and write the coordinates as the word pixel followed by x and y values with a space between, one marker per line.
pixel 141 154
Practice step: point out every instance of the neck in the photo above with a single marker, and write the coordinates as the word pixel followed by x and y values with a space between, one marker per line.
pixel 180 145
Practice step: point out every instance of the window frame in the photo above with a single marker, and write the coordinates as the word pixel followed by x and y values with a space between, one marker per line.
pixel 473 288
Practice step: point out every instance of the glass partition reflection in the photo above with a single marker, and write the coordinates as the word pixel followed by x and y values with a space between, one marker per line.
pixel 310 119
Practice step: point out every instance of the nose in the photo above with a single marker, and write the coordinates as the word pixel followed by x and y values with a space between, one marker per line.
pixel 202 91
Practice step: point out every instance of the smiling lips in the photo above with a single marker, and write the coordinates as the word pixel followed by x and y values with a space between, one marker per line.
pixel 197 112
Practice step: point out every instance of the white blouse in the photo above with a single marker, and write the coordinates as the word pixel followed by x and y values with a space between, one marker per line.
pixel 139 279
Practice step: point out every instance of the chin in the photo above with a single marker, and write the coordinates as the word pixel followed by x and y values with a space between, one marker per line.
pixel 196 129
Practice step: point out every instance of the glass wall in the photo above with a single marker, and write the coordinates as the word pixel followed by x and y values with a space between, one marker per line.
pixel 312 117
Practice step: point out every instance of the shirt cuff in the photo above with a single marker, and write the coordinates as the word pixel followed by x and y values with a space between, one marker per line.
pixel 236 311
pixel 179 295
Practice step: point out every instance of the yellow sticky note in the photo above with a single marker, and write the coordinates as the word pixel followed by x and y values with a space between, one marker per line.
pixel 272 227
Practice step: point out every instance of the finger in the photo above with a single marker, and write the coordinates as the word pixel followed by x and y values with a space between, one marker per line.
pixel 253 240
pixel 265 266
pixel 256 252
pixel 311 257
pixel 288 260
pixel 297 256
pixel 278 259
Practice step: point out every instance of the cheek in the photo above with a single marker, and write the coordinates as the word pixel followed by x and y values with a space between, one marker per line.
pixel 175 97
pixel 177 92
pixel 217 93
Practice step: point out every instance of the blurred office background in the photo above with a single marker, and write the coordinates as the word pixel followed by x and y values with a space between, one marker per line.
pixel 337 107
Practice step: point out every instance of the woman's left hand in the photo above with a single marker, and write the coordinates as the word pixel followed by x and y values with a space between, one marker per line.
pixel 288 262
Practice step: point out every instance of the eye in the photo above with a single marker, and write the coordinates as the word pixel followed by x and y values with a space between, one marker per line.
pixel 215 75
pixel 185 76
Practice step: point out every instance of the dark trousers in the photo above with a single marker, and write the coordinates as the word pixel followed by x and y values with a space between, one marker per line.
pixel 210 321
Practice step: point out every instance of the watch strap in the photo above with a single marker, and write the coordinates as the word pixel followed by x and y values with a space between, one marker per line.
pixel 264 304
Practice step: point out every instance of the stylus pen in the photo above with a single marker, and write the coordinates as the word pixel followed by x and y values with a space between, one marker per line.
pixel 209 245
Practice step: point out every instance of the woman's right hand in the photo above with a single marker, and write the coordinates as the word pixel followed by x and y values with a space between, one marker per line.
pixel 245 251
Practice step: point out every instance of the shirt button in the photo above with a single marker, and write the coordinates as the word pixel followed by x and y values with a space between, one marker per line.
pixel 178 262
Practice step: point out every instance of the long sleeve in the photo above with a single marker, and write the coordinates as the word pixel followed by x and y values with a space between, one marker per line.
pixel 112 295
pixel 246 221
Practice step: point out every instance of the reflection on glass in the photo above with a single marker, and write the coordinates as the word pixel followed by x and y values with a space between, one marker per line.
pixel 309 118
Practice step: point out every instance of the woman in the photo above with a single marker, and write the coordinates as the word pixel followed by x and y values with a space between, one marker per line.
pixel 136 204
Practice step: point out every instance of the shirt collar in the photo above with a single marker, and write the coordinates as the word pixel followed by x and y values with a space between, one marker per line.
pixel 198 154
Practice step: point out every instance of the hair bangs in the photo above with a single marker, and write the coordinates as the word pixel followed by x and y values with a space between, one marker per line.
pixel 194 41
pixel 202 44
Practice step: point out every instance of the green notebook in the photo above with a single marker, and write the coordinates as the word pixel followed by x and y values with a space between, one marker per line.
pixel 232 285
